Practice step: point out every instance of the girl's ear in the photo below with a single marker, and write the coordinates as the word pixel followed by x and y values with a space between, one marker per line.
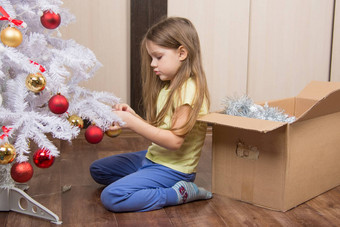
pixel 183 53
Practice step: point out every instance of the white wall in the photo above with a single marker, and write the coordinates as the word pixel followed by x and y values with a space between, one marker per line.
pixel 335 76
pixel 104 27
pixel 223 27
pixel 290 45
pixel 269 49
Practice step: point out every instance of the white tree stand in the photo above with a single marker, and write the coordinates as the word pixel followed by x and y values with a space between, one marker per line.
pixel 15 199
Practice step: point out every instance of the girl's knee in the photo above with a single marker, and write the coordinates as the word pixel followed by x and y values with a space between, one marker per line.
pixel 94 167
pixel 111 200
pixel 96 172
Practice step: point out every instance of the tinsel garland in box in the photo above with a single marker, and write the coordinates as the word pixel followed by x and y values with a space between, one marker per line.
pixel 245 107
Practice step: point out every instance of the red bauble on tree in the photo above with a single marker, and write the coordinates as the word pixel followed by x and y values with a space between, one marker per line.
pixel 50 20
pixel 43 158
pixel 22 172
pixel 94 134
pixel 58 104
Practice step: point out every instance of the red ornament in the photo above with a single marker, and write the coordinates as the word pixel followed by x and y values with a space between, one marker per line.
pixel 94 134
pixel 42 158
pixel 58 104
pixel 22 172
pixel 50 20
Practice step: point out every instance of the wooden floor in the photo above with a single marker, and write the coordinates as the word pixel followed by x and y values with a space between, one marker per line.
pixel 81 206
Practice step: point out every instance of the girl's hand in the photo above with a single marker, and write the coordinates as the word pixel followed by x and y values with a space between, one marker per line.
pixel 162 137
pixel 126 116
pixel 123 107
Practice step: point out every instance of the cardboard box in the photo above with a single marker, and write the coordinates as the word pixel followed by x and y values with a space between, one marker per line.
pixel 279 165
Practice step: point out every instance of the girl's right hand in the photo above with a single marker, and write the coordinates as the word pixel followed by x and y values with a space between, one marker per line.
pixel 123 107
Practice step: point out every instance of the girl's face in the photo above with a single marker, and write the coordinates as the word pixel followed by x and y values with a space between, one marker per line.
pixel 165 61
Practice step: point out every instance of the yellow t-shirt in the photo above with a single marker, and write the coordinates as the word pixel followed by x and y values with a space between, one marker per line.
pixel 186 158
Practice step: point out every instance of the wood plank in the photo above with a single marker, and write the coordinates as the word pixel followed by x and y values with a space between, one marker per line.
pixel 3 216
pixel 198 213
pixel 307 216
pixel 50 201
pixel 152 218
pixel 237 213
pixel 81 206
pixel 327 205
pixel 75 162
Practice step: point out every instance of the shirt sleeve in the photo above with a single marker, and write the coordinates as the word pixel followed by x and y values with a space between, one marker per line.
pixel 187 94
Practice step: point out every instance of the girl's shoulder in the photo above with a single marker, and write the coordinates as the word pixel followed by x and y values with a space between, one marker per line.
pixel 189 84
pixel 186 94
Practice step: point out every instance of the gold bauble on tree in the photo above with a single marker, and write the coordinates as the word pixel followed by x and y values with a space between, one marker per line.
pixel 76 121
pixel 35 82
pixel 11 37
pixel 113 133
pixel 7 153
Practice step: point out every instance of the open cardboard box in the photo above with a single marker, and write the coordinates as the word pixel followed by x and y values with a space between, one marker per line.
pixel 280 165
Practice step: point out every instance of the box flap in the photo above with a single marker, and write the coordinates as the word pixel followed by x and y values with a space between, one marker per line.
pixel 328 105
pixel 241 122
pixel 317 90
pixel 287 105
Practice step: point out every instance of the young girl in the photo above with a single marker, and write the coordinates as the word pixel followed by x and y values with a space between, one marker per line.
pixel 175 93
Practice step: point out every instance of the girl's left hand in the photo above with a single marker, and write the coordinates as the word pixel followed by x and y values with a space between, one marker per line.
pixel 125 116
pixel 123 107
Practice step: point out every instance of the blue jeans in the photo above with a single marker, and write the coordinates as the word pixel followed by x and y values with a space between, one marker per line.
pixel 134 183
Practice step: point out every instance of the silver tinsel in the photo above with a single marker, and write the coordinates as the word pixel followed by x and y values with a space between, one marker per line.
pixel 243 106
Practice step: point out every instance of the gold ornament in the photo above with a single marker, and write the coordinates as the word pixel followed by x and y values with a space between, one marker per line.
pixel 11 37
pixel 113 133
pixel 35 82
pixel 76 121
pixel 7 153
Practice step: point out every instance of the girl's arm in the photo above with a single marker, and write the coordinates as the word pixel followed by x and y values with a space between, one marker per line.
pixel 162 137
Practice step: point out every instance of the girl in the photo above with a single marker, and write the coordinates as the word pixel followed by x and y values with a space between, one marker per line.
pixel 175 93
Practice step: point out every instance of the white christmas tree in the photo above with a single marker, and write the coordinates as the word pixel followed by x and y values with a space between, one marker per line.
pixel 39 88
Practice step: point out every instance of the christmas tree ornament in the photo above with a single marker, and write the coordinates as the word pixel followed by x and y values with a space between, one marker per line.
pixel 41 68
pixel 43 158
pixel 11 37
pixel 50 20
pixel 7 153
pixel 58 104
pixel 35 82
pixel 22 172
pixel 76 121
pixel 113 133
pixel 5 132
pixel 6 16
pixel 26 108
pixel 94 134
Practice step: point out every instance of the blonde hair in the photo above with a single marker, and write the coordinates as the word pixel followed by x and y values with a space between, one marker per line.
pixel 173 32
